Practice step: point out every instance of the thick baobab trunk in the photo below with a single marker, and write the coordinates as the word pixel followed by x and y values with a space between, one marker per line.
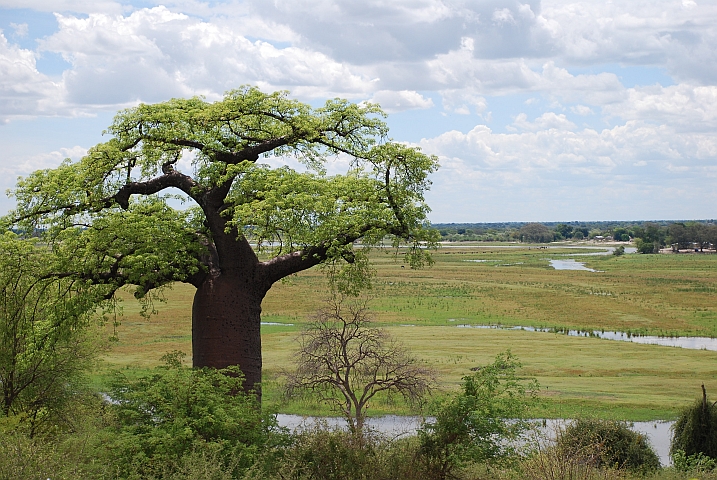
pixel 226 326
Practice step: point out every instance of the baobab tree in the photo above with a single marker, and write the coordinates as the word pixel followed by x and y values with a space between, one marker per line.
pixel 248 225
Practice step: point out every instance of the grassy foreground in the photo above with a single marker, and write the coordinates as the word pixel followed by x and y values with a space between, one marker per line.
pixel 646 294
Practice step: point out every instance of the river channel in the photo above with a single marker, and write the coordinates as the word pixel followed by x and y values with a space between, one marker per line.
pixel 395 426
pixel 693 343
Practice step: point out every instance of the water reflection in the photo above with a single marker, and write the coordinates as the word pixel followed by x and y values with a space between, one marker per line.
pixel 570 265
pixel 693 343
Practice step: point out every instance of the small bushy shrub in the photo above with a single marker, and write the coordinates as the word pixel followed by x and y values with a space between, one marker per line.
pixel 697 463
pixel 608 443
pixel 644 246
pixel 558 462
pixel 695 430
pixel 325 454
pixel 177 412
pixel 480 423
pixel 66 453
pixel 320 453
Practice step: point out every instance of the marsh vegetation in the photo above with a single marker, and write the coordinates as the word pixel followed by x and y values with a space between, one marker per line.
pixel 576 377
pixel 639 294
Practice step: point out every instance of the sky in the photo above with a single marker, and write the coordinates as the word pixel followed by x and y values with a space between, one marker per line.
pixel 551 110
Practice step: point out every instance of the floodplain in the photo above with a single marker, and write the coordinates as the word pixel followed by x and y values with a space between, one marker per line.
pixel 509 285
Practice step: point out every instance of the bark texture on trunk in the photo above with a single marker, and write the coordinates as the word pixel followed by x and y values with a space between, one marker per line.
pixel 226 326
pixel 226 314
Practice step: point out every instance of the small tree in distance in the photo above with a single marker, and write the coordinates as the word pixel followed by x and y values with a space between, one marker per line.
pixel 535 232
pixel 347 362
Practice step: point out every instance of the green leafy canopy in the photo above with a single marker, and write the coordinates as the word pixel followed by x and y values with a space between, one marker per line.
pixel 110 212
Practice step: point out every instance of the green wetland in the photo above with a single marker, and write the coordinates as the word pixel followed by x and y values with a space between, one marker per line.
pixel 499 285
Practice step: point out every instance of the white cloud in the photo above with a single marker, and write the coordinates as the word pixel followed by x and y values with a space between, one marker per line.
pixel 26 165
pixel 461 101
pixel 597 89
pixel 581 110
pixel 546 121
pixel 77 6
pixel 659 32
pixel 21 29
pixel 23 90
pixel 398 101
pixel 503 15
pixel 685 107
pixel 567 57
pixel 554 173
pixel 154 54
pixel 460 70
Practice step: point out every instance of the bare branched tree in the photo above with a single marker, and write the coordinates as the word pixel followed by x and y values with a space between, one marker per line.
pixel 347 362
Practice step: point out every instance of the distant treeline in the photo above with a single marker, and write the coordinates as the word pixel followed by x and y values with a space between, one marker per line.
pixel 649 236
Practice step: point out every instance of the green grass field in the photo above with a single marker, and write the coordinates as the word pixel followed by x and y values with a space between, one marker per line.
pixel 645 294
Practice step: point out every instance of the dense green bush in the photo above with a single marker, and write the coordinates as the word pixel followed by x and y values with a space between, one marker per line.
pixel 608 443
pixel 73 451
pixel 177 412
pixel 479 423
pixel 321 453
pixel 48 339
pixel 696 463
pixel 695 430
pixel 561 462
pixel 324 454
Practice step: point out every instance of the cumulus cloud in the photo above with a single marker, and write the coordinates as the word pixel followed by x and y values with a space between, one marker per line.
pixel 660 32
pixel 461 71
pixel 398 101
pixel 546 121
pixel 23 89
pixel 77 6
pixel 462 100
pixel 581 110
pixel 321 48
pixel 372 31
pixel 684 107
pixel 155 53
pixel 11 167
pixel 540 172
pixel 547 64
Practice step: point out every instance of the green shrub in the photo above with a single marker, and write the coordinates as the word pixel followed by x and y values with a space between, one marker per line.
pixel 608 443
pixel 66 453
pixel 177 412
pixel 697 463
pixel 558 462
pixel 324 454
pixel 644 246
pixel 320 453
pixel 695 430
pixel 478 424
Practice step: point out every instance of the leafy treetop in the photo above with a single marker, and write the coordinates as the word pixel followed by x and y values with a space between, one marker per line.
pixel 109 211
